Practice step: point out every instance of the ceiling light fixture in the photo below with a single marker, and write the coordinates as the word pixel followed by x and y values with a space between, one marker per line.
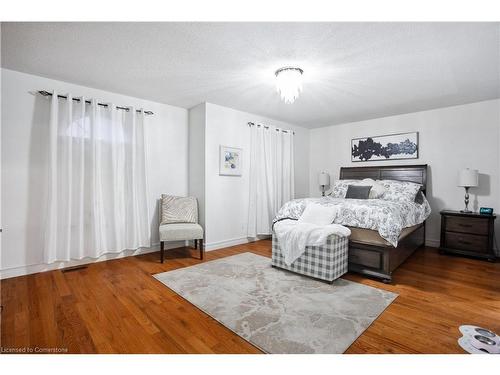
pixel 289 83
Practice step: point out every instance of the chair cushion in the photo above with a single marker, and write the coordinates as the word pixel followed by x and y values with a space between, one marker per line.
pixel 180 231
pixel 178 209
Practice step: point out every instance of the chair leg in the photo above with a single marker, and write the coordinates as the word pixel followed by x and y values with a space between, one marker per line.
pixel 195 244
pixel 201 248
pixel 162 248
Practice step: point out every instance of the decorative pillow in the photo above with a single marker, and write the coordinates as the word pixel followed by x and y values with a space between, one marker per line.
pixel 400 191
pixel 358 192
pixel 377 190
pixel 178 209
pixel 317 214
pixel 419 198
pixel 339 188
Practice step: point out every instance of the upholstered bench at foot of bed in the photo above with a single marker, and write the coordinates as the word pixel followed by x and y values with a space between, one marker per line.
pixel 326 262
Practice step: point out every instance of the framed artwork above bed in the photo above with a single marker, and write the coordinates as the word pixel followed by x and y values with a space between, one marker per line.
pixel 385 147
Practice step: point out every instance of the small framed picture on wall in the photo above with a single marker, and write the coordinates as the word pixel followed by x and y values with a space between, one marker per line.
pixel 230 159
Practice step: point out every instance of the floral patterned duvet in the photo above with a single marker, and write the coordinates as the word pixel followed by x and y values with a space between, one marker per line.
pixel 389 218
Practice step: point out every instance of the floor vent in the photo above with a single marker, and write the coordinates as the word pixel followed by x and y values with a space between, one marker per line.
pixel 71 269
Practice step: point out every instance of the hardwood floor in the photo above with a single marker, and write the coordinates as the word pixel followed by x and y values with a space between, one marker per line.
pixel 117 307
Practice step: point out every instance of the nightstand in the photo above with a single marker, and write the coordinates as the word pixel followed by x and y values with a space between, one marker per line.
pixel 467 234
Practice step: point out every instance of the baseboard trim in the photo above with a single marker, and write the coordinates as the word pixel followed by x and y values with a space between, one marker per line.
pixel 432 242
pixel 36 268
pixel 232 242
pixel 43 267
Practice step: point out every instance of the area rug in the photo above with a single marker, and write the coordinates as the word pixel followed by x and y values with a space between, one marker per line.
pixel 279 311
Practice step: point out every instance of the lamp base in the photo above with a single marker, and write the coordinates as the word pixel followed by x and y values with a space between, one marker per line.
pixel 466 201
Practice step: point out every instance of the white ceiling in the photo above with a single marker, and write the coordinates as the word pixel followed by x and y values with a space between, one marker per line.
pixel 352 71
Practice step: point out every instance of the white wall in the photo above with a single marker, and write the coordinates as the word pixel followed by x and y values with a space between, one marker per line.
pixel 226 197
pixel 450 139
pixel 196 182
pixel 1 234
pixel 24 125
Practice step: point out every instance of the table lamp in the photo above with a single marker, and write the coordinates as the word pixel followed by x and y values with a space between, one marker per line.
pixel 468 178
pixel 324 181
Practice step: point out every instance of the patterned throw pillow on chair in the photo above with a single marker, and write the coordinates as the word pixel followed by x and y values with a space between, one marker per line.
pixel 178 209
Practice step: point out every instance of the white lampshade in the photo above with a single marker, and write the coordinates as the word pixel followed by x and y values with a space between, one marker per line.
pixel 468 177
pixel 324 179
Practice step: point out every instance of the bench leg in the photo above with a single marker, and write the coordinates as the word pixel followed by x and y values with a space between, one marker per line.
pixel 162 249
pixel 200 242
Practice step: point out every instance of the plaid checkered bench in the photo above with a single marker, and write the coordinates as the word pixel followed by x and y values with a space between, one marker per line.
pixel 326 262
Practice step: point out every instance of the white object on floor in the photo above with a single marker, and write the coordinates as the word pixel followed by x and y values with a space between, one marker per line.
pixel 293 236
pixel 476 338
pixel 317 214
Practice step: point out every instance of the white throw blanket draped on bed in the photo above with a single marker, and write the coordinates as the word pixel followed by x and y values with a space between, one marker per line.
pixel 293 237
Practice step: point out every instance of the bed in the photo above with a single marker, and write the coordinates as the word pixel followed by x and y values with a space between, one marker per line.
pixel 369 254
pixel 400 227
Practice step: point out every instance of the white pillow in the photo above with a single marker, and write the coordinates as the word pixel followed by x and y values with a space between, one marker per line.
pixel 400 191
pixel 317 214
pixel 377 190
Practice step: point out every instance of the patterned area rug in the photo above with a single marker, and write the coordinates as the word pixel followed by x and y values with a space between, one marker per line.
pixel 279 311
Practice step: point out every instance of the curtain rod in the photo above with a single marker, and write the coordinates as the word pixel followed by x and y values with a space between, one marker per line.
pixel 267 127
pixel 46 93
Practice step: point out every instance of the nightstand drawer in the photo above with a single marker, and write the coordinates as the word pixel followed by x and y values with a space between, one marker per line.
pixel 469 242
pixel 467 225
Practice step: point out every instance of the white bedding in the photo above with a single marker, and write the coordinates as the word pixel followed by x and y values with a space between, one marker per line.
pixel 387 217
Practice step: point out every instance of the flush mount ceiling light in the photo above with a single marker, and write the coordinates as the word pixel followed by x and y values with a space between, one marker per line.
pixel 289 83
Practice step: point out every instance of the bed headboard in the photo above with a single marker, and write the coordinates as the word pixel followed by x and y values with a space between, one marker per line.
pixel 412 173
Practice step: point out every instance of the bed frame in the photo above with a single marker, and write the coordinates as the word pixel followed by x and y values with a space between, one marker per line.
pixel 379 260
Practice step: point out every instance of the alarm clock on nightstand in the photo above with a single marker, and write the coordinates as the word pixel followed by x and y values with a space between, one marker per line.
pixel 486 211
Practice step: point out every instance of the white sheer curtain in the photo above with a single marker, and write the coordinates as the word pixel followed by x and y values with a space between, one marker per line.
pixel 97 186
pixel 271 176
